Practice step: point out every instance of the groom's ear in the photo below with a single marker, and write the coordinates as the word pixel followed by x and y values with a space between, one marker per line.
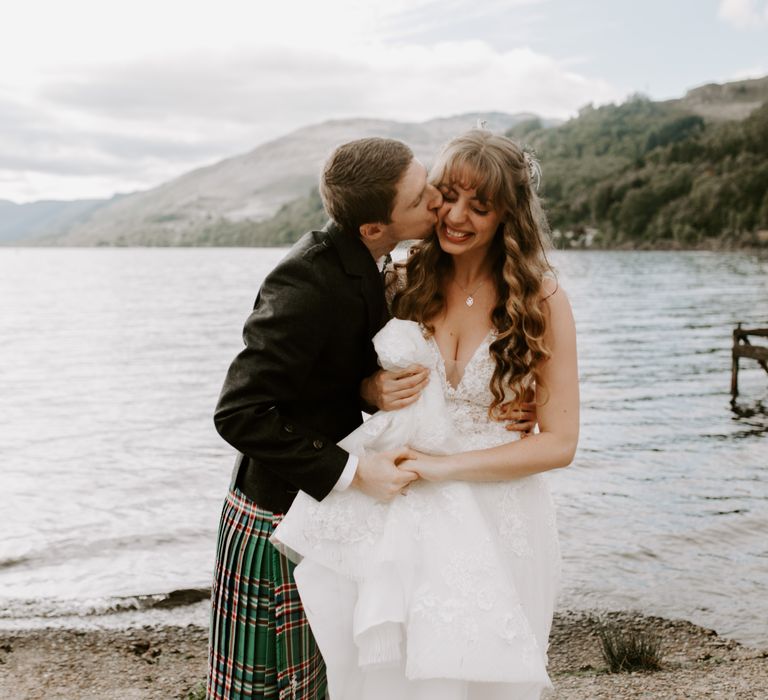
pixel 371 232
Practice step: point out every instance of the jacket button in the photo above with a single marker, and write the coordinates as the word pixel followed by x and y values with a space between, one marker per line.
pixel 318 444
pixel 288 428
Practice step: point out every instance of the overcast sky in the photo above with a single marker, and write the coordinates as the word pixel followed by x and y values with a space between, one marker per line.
pixel 98 97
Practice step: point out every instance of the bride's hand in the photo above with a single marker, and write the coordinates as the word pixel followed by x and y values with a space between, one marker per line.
pixel 428 467
pixel 389 391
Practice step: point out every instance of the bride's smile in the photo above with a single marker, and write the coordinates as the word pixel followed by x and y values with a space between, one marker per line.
pixel 465 222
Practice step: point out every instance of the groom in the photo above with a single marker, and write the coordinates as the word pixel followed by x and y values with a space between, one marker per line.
pixel 297 388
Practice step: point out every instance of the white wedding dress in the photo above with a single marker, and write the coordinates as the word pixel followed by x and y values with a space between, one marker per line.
pixel 446 593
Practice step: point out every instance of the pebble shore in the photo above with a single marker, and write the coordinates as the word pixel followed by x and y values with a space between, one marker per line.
pixel 165 663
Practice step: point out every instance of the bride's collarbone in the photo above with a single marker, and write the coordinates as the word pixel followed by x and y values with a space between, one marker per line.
pixel 458 339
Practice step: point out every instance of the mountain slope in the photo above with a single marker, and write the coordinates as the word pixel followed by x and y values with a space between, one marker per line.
pixel 253 186
pixel 721 102
pixel 20 223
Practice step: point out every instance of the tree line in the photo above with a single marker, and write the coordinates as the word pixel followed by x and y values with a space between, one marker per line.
pixel 639 174
pixel 648 174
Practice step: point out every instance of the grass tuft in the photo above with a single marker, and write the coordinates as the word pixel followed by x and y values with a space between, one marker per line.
pixel 197 693
pixel 628 650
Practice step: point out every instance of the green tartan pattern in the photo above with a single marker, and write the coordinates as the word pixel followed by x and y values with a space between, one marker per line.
pixel 260 642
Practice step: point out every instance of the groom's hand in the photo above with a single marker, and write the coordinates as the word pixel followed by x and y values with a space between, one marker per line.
pixel 520 416
pixel 379 477
pixel 389 390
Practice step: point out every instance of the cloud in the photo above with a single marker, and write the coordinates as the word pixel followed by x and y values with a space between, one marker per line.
pixel 281 88
pixel 43 140
pixel 49 33
pixel 744 14
pixel 445 19
pixel 142 121
pixel 47 153
pixel 129 97
pixel 454 77
pixel 750 73
pixel 244 88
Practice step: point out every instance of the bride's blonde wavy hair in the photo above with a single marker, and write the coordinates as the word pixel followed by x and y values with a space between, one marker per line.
pixel 502 174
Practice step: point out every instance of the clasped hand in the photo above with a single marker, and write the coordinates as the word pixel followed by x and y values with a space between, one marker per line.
pixel 384 475
pixel 381 476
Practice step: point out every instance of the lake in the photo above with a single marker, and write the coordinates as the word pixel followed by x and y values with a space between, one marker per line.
pixel 112 475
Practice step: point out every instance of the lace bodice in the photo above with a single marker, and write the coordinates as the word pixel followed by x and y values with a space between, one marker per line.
pixel 469 400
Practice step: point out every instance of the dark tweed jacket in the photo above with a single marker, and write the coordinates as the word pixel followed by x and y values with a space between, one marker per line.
pixel 293 392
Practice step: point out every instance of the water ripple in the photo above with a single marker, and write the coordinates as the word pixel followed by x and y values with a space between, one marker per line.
pixel 113 477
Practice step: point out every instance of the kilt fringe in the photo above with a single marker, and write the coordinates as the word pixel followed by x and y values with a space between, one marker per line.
pixel 260 643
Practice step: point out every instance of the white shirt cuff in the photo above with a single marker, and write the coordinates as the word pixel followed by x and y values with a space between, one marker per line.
pixel 347 475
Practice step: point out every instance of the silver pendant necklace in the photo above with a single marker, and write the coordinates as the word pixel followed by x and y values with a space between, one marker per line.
pixel 470 295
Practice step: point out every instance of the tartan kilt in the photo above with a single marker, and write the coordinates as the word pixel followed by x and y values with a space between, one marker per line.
pixel 260 643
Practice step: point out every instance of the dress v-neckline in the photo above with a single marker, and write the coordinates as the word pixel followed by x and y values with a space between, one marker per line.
pixel 442 361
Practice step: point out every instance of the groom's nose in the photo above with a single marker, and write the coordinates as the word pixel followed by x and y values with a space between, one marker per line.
pixel 435 197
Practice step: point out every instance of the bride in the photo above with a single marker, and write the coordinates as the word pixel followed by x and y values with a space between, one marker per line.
pixel 448 592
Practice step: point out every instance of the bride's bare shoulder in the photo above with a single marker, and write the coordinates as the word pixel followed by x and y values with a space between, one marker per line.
pixel 557 307
pixel 552 290
pixel 549 286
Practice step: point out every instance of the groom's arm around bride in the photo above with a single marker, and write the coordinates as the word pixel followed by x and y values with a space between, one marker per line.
pixel 292 392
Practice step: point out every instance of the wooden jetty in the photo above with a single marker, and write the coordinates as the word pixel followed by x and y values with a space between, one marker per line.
pixel 743 348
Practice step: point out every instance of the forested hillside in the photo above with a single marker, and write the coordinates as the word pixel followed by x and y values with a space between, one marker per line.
pixel 641 174
pixel 283 229
pixel 648 174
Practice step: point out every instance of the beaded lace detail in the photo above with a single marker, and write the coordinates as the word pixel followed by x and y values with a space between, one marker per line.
pixel 468 401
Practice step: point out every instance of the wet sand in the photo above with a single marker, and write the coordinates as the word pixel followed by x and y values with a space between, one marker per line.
pixel 165 663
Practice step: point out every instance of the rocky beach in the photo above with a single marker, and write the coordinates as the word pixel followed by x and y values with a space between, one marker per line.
pixel 165 663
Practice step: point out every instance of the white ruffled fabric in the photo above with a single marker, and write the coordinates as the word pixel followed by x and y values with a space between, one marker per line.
pixel 447 592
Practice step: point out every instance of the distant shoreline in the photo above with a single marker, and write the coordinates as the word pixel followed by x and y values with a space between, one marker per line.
pixel 155 662
pixel 715 246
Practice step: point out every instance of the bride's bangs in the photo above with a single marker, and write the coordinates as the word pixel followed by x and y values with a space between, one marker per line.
pixel 471 170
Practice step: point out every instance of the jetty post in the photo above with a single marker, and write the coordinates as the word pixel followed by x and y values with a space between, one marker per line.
pixel 743 348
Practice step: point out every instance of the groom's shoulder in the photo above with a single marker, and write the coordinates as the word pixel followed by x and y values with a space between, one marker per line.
pixel 311 258
pixel 312 249
pixel 312 245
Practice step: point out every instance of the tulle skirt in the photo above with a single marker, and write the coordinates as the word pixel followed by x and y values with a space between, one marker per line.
pixel 447 592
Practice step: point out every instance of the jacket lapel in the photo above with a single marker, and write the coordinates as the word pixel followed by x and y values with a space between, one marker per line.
pixel 357 261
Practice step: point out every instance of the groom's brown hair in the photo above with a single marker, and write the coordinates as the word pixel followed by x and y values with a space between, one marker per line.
pixel 359 181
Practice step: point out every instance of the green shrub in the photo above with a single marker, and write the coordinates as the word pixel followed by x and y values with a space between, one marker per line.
pixel 197 693
pixel 630 650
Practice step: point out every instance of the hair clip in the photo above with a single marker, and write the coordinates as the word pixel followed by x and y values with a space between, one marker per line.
pixel 534 169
